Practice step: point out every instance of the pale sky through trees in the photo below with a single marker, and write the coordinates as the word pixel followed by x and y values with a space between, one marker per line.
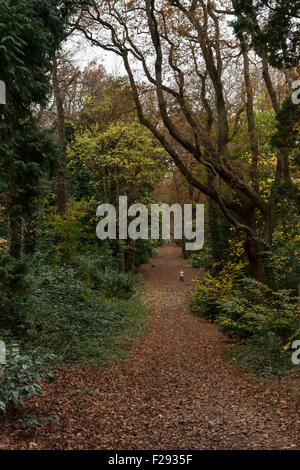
pixel 86 53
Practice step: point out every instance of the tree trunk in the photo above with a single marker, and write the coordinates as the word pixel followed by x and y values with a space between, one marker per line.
pixel 256 260
pixel 61 185
pixel 61 189
pixel 121 257
pixel 15 237
pixel 29 237
pixel 131 256
pixel 213 218
pixel 183 249
pixel 299 305
pixel 213 222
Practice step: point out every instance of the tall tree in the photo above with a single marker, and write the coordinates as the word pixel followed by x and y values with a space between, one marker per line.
pixel 273 27
pixel 176 44
pixel 124 160
pixel 30 31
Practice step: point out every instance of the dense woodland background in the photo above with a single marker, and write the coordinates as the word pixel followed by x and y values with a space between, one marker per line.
pixel 203 114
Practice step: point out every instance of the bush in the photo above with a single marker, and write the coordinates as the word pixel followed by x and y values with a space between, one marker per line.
pixel 74 320
pixel 263 355
pixel 79 312
pixel 144 250
pixel 244 307
pixel 20 378
pixel 211 291
pixel 257 310
pixel 72 233
pixel 199 260
pixel 117 284
pixel 101 273
pixel 283 263
pixel 13 288
pixel 262 320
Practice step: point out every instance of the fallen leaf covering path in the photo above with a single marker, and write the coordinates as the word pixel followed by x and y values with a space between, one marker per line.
pixel 176 390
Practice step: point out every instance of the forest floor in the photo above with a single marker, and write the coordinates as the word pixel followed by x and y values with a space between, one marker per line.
pixel 175 391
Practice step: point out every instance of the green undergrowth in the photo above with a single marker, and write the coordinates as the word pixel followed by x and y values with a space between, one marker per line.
pixel 261 322
pixel 85 312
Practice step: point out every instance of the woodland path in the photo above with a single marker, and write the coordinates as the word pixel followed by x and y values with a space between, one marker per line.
pixel 175 391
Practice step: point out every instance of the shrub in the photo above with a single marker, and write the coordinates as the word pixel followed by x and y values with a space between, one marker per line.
pixel 283 263
pixel 244 307
pixel 201 259
pixel 101 273
pixel 144 250
pixel 20 378
pixel 13 289
pixel 68 317
pixel 262 320
pixel 211 291
pixel 117 284
pixel 74 232
pixel 263 355
pixel 257 310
